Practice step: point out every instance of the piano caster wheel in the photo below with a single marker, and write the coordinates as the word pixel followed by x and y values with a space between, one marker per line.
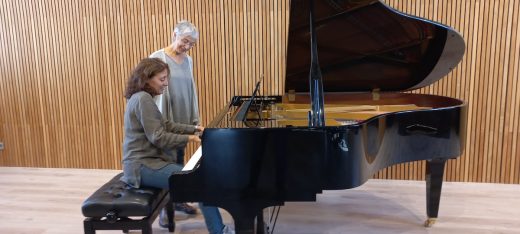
pixel 429 222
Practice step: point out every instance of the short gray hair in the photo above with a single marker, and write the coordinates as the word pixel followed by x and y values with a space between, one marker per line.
pixel 185 28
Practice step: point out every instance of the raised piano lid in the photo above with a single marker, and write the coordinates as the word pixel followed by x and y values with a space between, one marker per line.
pixel 365 45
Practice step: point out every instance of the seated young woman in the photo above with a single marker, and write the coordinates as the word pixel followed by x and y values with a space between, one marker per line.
pixel 147 135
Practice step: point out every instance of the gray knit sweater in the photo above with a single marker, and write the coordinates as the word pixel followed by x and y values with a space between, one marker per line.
pixel 146 135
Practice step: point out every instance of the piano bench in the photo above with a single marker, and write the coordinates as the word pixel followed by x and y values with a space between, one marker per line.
pixel 117 206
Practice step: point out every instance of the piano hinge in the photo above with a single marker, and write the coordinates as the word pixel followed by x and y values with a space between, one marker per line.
pixel 375 94
pixel 291 95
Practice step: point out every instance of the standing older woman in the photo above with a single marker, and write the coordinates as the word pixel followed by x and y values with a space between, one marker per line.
pixel 147 135
pixel 179 102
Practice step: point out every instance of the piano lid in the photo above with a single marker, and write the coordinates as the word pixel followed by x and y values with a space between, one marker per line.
pixel 365 45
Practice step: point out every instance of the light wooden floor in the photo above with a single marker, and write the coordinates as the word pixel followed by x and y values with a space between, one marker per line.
pixel 35 200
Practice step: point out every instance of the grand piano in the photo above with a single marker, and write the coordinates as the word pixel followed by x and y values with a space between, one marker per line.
pixel 344 116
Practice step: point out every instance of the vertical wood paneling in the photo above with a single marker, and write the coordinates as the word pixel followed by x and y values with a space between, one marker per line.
pixel 64 64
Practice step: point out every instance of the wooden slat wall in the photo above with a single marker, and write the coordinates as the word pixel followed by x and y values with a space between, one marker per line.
pixel 64 64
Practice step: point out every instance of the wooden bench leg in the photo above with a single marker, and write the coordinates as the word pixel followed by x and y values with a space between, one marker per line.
pixel 147 229
pixel 87 226
pixel 170 213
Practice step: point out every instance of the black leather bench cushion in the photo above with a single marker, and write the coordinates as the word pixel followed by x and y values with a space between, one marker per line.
pixel 126 201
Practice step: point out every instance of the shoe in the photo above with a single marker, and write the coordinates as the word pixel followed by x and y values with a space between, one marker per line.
pixel 228 230
pixel 184 207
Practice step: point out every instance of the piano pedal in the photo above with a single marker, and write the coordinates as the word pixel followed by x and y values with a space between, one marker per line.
pixel 429 222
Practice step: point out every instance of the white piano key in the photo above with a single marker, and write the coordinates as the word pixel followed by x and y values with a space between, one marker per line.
pixel 193 160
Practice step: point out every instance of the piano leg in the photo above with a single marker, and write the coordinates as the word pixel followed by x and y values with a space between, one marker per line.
pixel 244 214
pixel 245 225
pixel 260 226
pixel 434 174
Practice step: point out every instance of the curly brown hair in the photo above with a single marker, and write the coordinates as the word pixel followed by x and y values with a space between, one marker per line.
pixel 144 71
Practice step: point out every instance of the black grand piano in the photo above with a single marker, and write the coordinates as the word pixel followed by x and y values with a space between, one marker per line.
pixel 343 117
